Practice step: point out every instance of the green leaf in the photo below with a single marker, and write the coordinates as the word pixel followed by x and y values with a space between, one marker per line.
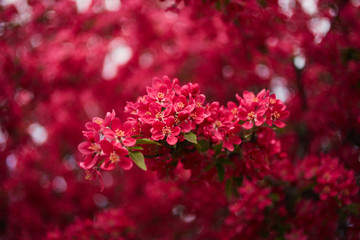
pixel 353 208
pixel 135 148
pixel 217 148
pixel 138 159
pixel 348 54
pixel 224 161
pixel 229 188
pixel 221 171
pixel 136 136
pixel 191 137
pixel 146 141
pixel 198 147
pixel 275 197
pixel 208 167
pixel 203 145
pixel 218 5
pixel 262 3
pixel 238 180
pixel 177 153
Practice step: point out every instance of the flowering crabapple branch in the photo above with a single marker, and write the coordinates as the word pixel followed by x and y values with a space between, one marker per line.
pixel 172 121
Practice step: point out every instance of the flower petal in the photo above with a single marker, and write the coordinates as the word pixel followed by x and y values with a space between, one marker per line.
pixel 175 131
pixel 108 133
pixel 279 124
pixel 116 124
pixel 121 151
pixel 107 165
pixel 89 162
pixel 171 140
pixel 248 125
pixel 84 148
pixel 228 145
pixel 106 146
pixel 129 141
pixel 284 114
pixel 125 163
pixel 157 136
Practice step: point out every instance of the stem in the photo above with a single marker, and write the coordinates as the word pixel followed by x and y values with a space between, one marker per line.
pixel 301 88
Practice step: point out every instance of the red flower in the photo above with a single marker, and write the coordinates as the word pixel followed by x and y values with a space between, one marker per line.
pixel 98 124
pixel 154 113
pixel 179 103
pixel 232 137
pixel 161 130
pixel 114 153
pixel 220 121
pixel 90 149
pixel 250 114
pixel 188 90
pixel 92 174
pixel 120 132
pixel 254 200
pixel 233 108
pixel 276 113
pixel 198 116
pixel 249 97
pixel 162 90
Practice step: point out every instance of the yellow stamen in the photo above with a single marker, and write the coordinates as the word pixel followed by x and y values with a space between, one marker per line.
pixel 276 115
pixel 158 115
pixel 99 121
pixel 95 147
pixel 180 105
pixel 114 157
pixel 326 189
pixel 218 123
pixel 327 176
pixel 251 116
pixel 119 133
pixel 160 95
pixel 88 175
pixel 166 130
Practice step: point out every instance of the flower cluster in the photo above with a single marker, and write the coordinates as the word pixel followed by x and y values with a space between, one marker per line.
pixel 169 110
pixel 261 108
pixel 295 198
pixel 120 226
pixel 331 178
pixel 248 210
pixel 170 114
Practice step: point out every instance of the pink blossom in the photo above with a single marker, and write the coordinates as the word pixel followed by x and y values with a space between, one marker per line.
pixel 161 130
pixel 114 153
pixel 251 115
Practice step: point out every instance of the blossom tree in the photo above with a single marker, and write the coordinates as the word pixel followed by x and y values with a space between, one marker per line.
pixel 254 134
